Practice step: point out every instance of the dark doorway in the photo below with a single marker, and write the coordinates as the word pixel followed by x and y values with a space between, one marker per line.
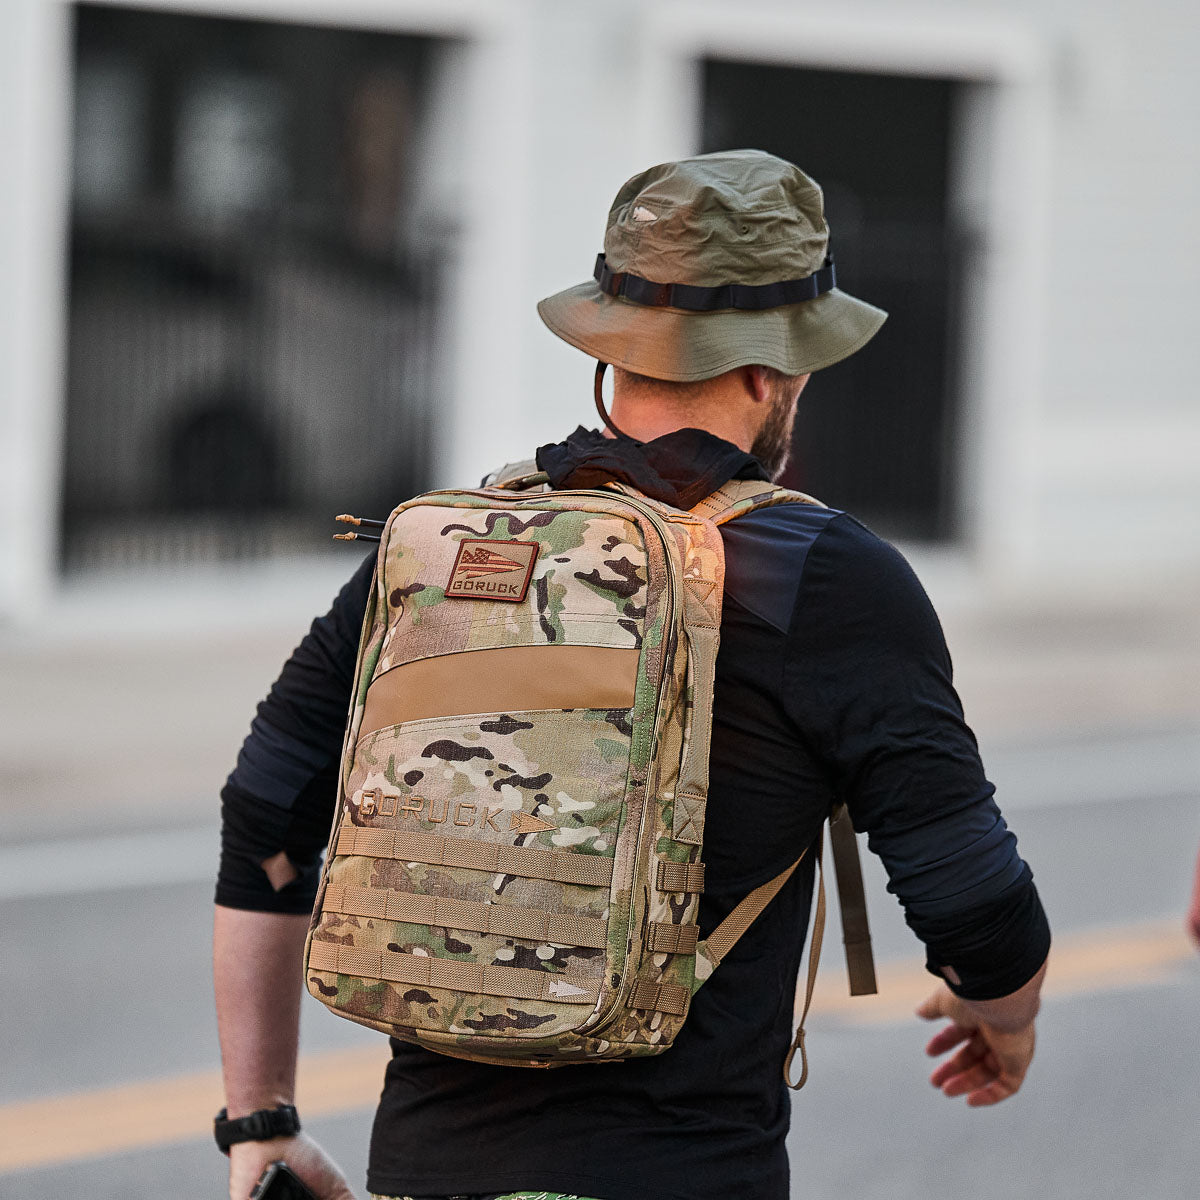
pixel 876 433
pixel 253 316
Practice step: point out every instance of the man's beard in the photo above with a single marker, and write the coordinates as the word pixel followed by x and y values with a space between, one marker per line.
pixel 773 442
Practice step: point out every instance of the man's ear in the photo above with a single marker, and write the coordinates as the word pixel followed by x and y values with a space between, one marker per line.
pixel 758 383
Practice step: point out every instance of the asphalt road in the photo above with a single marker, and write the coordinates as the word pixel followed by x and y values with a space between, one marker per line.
pixel 108 1011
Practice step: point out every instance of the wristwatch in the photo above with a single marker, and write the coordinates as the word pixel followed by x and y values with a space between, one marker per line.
pixel 260 1126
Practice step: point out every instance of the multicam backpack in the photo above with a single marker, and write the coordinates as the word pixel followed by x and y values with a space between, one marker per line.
pixel 514 869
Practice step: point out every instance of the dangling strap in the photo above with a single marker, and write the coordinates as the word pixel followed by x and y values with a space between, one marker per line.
pixel 856 931
pixel 814 959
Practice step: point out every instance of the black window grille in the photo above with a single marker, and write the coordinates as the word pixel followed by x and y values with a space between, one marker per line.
pixel 876 434
pixel 252 324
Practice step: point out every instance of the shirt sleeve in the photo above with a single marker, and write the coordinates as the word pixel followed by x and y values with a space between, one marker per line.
pixel 281 794
pixel 869 684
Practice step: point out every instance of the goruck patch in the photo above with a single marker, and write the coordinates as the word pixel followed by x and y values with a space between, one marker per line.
pixel 492 570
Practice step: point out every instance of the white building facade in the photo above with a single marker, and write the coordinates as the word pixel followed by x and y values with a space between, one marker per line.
pixel 1072 166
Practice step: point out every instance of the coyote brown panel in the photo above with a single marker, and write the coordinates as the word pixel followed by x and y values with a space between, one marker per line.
pixel 506 679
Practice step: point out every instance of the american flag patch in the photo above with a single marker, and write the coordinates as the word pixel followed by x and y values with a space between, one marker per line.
pixel 492 570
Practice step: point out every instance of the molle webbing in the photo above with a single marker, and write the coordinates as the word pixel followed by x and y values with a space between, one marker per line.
pixel 417 970
pixel 662 938
pixel 560 866
pixel 659 997
pixel 680 877
pixel 447 913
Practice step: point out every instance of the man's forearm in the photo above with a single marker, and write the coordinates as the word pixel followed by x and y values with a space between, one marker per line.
pixel 257 978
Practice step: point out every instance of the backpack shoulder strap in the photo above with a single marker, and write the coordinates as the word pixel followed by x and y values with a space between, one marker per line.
pixel 518 476
pixel 740 496
pixel 731 500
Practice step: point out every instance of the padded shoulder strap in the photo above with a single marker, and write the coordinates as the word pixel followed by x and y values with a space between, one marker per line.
pixel 518 477
pixel 740 496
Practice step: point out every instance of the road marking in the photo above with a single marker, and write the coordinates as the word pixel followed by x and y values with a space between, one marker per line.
pixel 135 1116
pixel 1100 960
pixel 65 866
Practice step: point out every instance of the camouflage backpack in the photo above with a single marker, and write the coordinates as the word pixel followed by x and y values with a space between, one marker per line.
pixel 514 869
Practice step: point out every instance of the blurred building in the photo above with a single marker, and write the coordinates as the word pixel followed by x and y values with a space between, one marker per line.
pixel 266 260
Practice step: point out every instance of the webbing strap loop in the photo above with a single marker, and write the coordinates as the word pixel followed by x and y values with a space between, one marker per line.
pixel 670 998
pixel 680 877
pixel 664 938
pixel 814 959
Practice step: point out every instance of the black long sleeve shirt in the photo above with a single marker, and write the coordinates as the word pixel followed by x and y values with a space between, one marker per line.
pixel 833 683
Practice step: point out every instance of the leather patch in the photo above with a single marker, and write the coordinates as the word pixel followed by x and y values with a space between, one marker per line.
pixel 492 570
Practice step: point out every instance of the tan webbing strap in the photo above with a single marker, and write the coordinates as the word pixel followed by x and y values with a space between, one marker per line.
pixel 444 912
pixel 680 877
pixel 730 494
pixel 743 495
pixel 726 935
pixel 517 476
pixel 814 960
pixel 528 862
pixel 860 962
pixel 669 998
pixel 418 970
pixel 664 938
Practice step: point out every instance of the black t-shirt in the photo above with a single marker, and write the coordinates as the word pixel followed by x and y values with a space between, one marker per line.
pixel 833 682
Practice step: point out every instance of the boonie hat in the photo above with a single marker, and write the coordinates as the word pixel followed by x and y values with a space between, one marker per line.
pixel 712 263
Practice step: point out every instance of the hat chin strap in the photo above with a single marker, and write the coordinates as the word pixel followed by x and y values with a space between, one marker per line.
pixel 601 367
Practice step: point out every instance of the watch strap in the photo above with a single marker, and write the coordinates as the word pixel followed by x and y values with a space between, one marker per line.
pixel 260 1126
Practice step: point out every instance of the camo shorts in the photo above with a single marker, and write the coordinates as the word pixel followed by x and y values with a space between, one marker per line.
pixel 490 1196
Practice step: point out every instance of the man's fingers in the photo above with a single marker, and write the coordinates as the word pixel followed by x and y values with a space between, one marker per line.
pixel 993 1093
pixel 933 1006
pixel 947 1039
pixel 971 1054
pixel 973 1079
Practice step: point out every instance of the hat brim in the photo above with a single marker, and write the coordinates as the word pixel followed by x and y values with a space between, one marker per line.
pixel 670 343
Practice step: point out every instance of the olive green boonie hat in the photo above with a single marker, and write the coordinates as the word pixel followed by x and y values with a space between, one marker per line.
pixel 712 263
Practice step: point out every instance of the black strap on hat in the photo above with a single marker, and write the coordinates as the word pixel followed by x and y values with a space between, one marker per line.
pixel 745 296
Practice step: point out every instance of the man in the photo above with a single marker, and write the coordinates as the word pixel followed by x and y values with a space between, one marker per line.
pixel 833 683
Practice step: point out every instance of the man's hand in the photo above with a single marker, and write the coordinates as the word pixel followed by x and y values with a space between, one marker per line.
pixel 991 1064
pixel 1193 917
pixel 318 1172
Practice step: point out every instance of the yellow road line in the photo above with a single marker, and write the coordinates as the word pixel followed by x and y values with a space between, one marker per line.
pixel 135 1116
pixel 1109 959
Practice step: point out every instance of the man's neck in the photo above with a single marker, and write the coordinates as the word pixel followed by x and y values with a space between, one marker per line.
pixel 645 417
